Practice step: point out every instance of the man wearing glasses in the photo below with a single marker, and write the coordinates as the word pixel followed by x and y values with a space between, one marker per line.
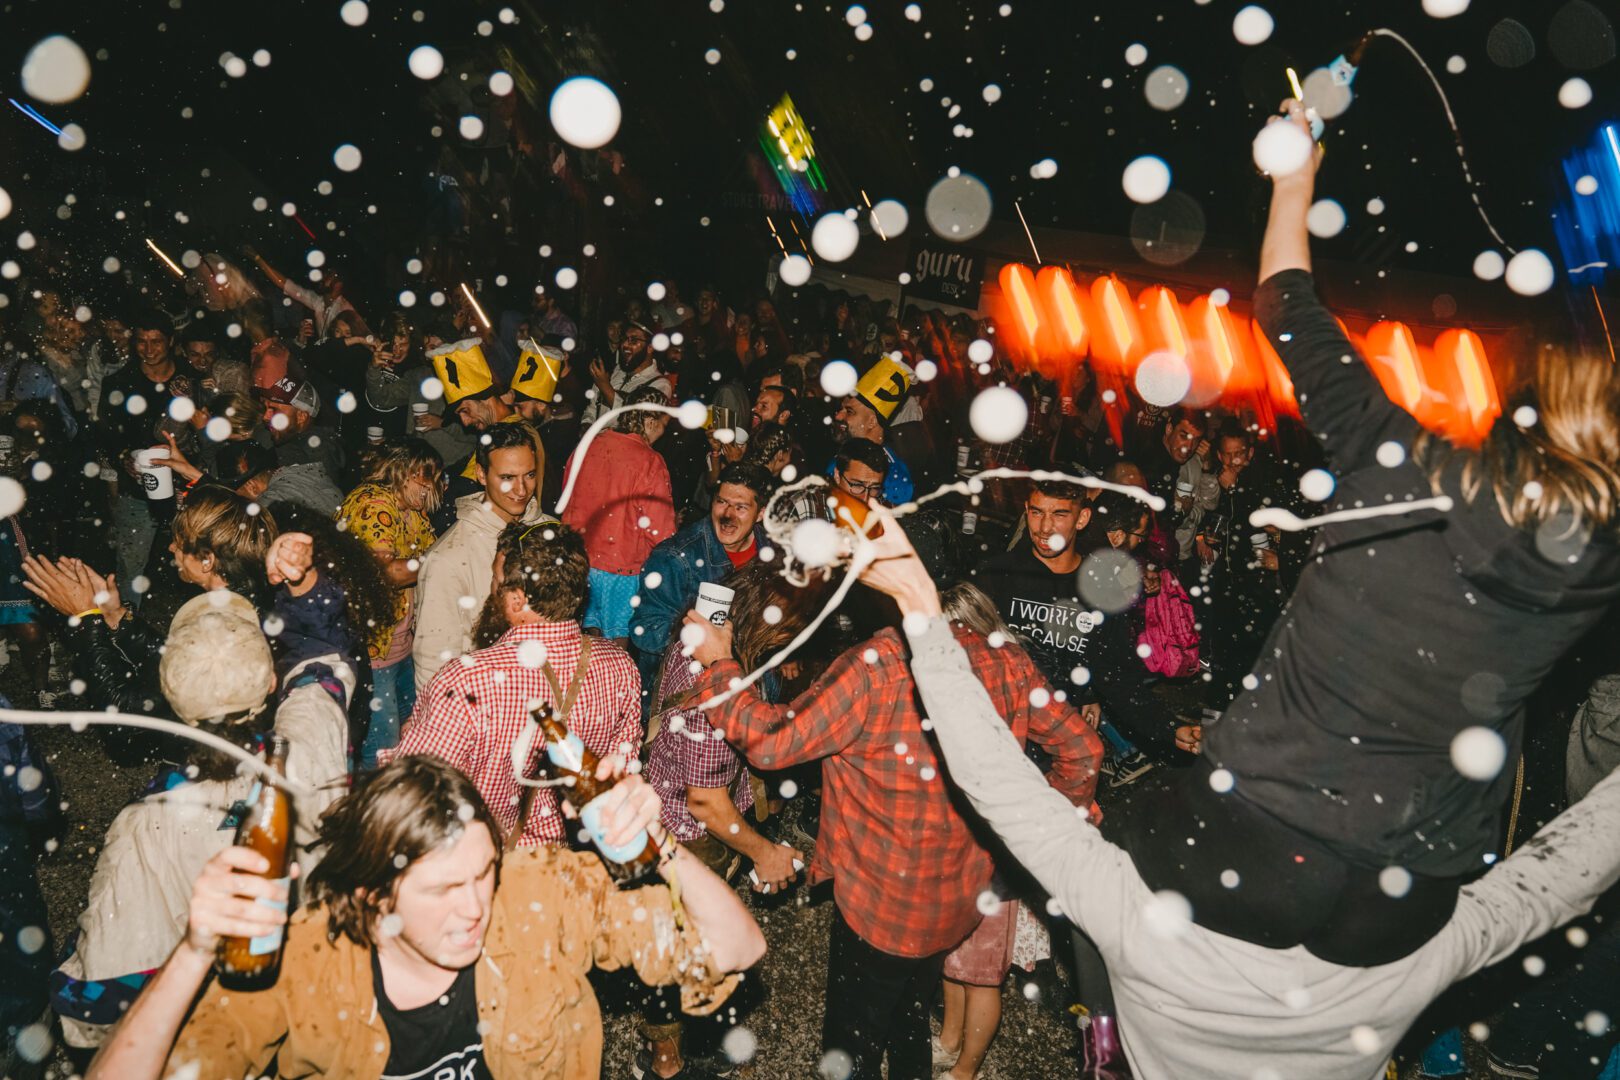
pixel 637 367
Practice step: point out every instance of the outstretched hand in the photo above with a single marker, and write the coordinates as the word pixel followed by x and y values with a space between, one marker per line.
pixel 892 567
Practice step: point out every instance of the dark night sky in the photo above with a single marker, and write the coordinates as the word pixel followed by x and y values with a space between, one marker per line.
pixel 689 125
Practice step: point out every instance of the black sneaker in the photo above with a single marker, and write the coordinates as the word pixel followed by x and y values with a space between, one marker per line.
pixel 1130 769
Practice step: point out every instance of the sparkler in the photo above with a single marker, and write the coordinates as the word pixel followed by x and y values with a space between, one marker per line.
pixel 168 261
pixel 473 300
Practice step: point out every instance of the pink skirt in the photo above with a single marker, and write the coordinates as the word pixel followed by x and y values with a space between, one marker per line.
pixel 983 959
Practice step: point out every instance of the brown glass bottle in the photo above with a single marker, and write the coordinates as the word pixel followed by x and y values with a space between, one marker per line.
pixel 570 757
pixel 267 827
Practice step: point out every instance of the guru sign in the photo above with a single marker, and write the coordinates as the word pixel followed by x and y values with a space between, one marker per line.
pixel 947 274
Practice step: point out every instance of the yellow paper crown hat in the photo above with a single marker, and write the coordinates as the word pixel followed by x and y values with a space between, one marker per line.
pixel 884 386
pixel 462 369
pixel 539 368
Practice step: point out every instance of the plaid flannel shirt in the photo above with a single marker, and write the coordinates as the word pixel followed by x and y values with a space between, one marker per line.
pixel 475 708
pixel 689 753
pixel 906 868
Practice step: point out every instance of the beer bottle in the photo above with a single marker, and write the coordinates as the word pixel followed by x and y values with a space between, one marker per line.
pixel 571 758
pixel 267 827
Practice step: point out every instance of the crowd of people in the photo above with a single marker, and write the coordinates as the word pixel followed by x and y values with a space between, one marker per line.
pixel 386 535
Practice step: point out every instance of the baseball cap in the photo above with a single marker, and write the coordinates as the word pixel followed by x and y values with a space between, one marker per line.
pixel 216 662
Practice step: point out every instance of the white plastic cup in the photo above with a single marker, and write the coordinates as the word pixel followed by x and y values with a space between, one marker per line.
pixel 970 523
pixel 374 435
pixel 1260 541
pixel 157 480
pixel 1184 487
pixel 714 602
pixel 419 409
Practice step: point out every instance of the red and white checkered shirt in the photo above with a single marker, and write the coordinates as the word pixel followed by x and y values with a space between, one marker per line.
pixel 476 707
pixel 689 753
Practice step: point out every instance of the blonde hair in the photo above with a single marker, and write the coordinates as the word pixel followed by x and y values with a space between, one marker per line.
pixel 1561 467
pixel 966 603
pixel 236 533
pixel 394 464
pixel 238 410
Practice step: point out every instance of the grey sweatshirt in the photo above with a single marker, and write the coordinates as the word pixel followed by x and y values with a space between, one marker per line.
pixel 1195 1003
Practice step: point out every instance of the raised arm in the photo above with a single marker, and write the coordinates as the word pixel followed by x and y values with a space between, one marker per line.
pixel 1339 397
pixel 223 902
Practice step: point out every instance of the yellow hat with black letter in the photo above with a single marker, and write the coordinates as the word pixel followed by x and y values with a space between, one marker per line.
pixel 884 385
pixel 539 367
pixel 462 369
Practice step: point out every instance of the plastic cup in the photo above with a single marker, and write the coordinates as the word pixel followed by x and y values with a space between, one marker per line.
pixel 157 480
pixel 714 602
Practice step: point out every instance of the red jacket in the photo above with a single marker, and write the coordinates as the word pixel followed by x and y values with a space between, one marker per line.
pixel 621 503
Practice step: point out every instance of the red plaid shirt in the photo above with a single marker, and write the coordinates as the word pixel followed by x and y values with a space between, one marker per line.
pixel 475 708
pixel 907 871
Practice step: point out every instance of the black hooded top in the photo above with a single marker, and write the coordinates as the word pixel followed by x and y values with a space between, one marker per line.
pixel 1403 630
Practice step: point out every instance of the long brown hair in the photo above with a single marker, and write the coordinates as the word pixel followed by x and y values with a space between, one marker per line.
pixel 411 807
pixel 760 587
pixel 1561 465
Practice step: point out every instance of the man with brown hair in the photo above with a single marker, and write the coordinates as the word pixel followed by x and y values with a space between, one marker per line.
pixel 475 708
pixel 424 954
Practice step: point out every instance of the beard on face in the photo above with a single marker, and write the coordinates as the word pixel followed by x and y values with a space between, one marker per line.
pixel 492 623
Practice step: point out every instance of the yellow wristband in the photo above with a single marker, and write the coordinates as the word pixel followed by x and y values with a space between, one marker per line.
pixel 89 611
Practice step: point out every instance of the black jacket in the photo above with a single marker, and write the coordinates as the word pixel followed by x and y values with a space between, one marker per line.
pixel 1402 632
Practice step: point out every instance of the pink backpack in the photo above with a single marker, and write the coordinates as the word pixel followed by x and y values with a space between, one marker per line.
pixel 1169 630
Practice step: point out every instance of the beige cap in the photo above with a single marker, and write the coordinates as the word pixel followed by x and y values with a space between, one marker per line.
pixel 216 663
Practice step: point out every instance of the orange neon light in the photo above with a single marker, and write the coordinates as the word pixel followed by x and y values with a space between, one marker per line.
pixel 1018 285
pixel 1162 320
pixel 1119 339
pixel 1056 286
pixel 1448 388
pixel 1394 357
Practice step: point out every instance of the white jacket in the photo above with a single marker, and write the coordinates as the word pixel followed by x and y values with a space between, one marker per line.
pixel 453 582
pixel 140 893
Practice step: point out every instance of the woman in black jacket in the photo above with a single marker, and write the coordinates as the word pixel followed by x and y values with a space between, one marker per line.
pixel 1358 781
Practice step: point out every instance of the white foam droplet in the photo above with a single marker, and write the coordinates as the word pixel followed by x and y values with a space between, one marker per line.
pixel 1146 180
pixel 1317 485
pixel 1478 753
pixel 998 414
pixel 1252 25
pixel 1282 149
pixel 1325 219
pixel 1221 781
pixel 815 542
pixel 1444 9
pixel 1586 185
pixel 1489 265
pixel 354 12
pixel 838 378
pixel 1530 273
pixel 834 237
pixel 794 271
pixel 1390 454
pixel 347 157
pixel 56 70
pixel 1163 378
pixel 585 112
pixel 1167 915
pixel 1576 93
pixel 426 62
pixel 1364 1039
pixel 1525 416
pixel 1136 54
pixel 1395 881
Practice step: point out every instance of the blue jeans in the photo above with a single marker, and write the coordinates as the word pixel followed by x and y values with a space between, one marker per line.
pixel 1117 743
pixel 393 697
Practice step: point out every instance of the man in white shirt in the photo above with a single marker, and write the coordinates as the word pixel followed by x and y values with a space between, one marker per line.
pixel 324 305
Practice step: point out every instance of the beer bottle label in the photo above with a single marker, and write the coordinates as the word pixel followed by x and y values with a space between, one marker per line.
pixel 590 815
pixel 270 942
pixel 568 754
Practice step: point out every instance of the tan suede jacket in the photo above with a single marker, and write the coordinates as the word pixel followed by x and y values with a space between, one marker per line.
pixel 556 916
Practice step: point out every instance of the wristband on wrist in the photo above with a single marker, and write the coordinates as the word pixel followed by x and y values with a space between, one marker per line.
pixel 88 611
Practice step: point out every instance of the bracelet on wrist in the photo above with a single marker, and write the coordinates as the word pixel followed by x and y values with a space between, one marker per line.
pixel 87 612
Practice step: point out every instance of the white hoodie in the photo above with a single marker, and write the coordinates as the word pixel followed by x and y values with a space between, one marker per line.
pixel 454 581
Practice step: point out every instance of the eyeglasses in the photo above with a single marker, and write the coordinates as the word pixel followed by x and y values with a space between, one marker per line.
pixel 866 491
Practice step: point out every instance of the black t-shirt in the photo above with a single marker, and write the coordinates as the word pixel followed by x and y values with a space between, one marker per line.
pixel 123 430
pixel 440 1040
pixel 1046 610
